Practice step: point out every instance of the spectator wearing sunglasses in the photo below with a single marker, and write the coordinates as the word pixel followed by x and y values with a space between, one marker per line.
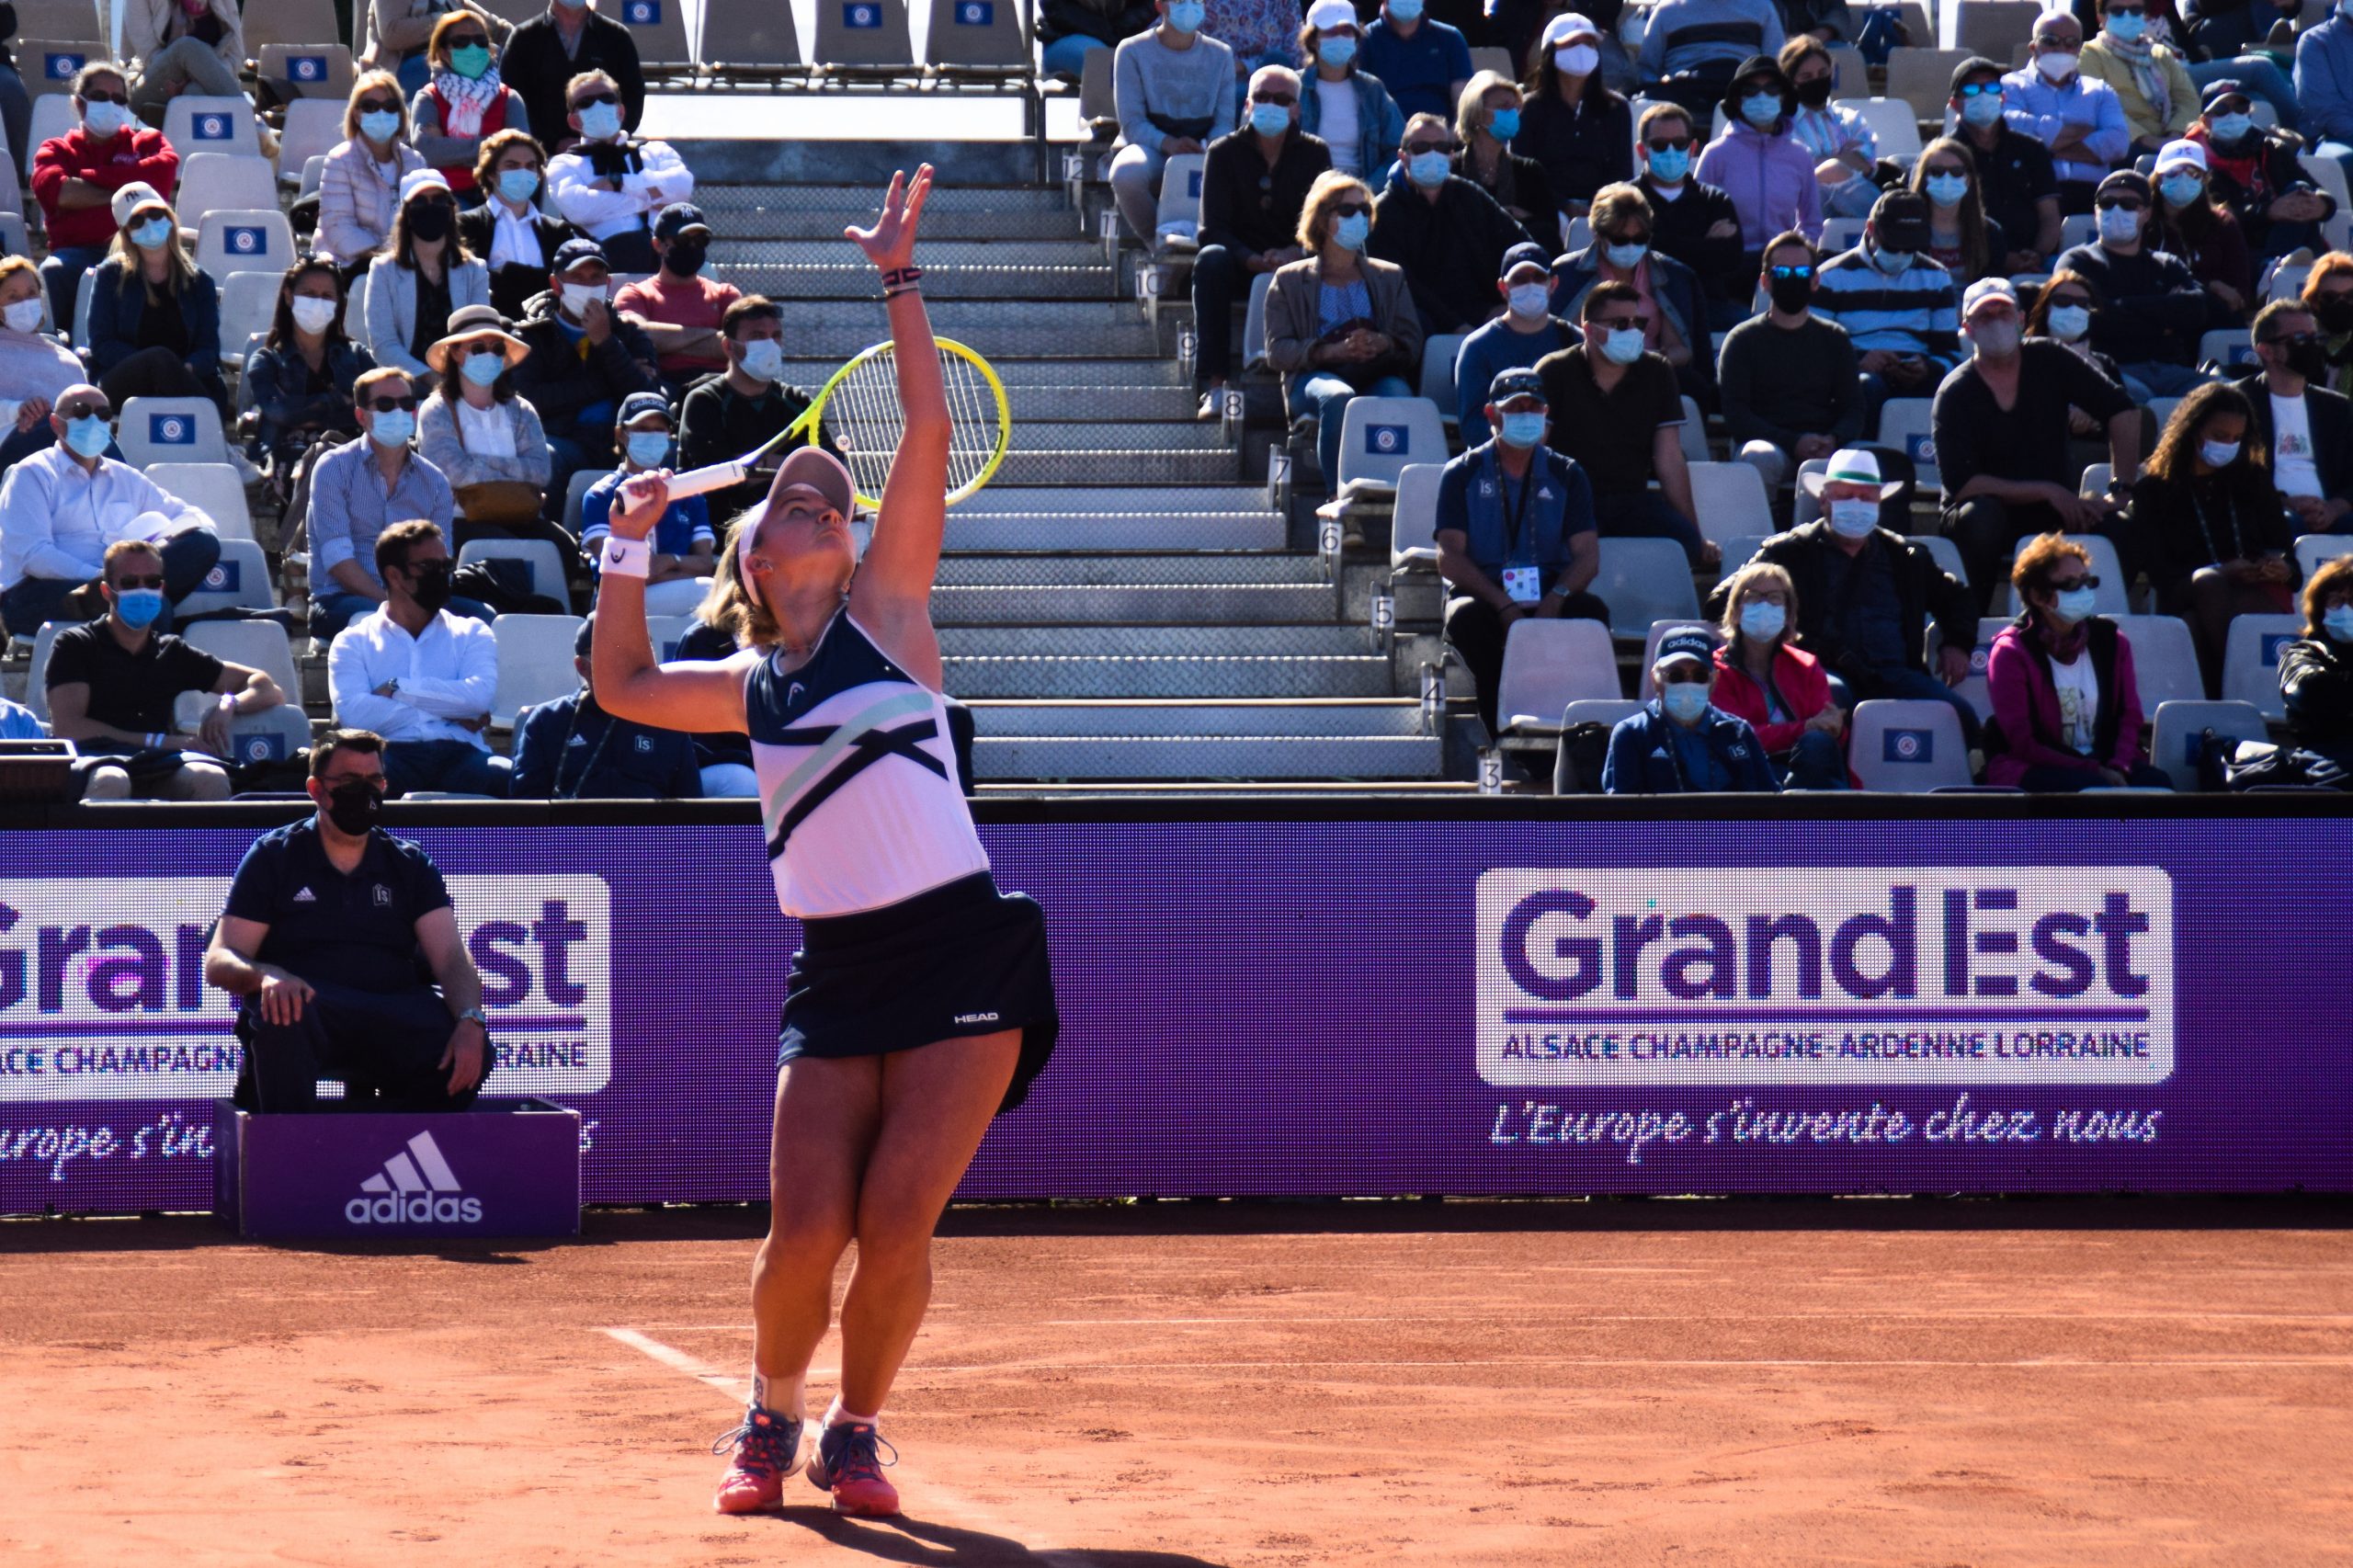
pixel 2152 310
pixel 62 507
pixel 115 683
pixel 1486 118
pixel 2016 182
pixel 554 48
pixel 155 315
pixel 1573 124
pixel 177 46
pixel 1622 252
pixel 359 189
pixel 2066 707
pixel 1694 222
pixel 399 31
pixel 1790 389
pixel 1516 340
pixel 1961 238
pixel 1616 409
pixel 465 104
pixel 1253 185
pixel 1901 308
pixel 1447 234
pixel 361 489
pixel 2302 431
pixel 1340 324
pixel 2081 122
pixel 609 187
pixel 2255 173
pixel 2148 78
pixel 75 177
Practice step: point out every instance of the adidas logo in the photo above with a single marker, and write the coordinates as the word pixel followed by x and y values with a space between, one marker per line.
pixel 306 896
pixel 415 1191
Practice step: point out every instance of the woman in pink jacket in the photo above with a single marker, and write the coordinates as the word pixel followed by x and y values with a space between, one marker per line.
pixel 1767 173
pixel 2066 706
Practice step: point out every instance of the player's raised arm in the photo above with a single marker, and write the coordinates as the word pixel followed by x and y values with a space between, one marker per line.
pixel 896 576
pixel 629 684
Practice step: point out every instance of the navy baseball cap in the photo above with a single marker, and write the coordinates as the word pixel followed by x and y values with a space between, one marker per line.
pixel 637 405
pixel 2213 93
pixel 1519 382
pixel 676 219
pixel 1686 643
pixel 1528 252
pixel 571 253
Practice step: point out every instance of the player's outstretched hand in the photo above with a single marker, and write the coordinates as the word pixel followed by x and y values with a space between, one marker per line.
pixel 643 498
pixel 891 243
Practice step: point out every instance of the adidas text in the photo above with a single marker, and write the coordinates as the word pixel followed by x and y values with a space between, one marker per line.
pixel 413 1208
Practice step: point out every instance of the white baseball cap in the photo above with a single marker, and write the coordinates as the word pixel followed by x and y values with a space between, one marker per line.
pixel 131 198
pixel 1332 14
pixel 1569 25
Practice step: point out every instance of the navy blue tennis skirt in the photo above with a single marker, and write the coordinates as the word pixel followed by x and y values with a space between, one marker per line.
pixel 959 960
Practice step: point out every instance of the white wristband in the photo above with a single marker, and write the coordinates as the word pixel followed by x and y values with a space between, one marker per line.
pixel 628 557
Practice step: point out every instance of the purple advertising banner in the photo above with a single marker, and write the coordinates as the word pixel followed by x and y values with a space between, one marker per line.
pixel 1961 1003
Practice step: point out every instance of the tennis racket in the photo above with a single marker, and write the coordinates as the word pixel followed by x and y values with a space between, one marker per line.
pixel 861 404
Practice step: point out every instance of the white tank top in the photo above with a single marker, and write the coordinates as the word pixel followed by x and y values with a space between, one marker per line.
pixel 859 792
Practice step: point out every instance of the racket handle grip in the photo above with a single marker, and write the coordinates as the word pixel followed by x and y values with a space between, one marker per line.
pixel 702 480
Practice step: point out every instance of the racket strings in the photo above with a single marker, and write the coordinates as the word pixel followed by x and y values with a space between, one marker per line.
pixel 864 415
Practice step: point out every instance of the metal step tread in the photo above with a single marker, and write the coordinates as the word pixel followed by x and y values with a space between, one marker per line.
pixel 849 280
pixel 1001 499
pixel 1152 370
pixel 1183 678
pixel 1305 718
pixel 1312 640
pixel 1076 250
pixel 1249 568
pixel 1216 757
pixel 1058 533
pixel 1129 436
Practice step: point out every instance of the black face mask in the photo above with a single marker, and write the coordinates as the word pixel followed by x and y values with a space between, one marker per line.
pixel 354 808
pixel 2309 360
pixel 1792 295
pixel 430 220
pixel 2335 314
pixel 1815 93
pixel 429 585
pixel 683 260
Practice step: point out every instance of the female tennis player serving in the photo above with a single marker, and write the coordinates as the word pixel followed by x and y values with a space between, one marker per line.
pixel 921 1003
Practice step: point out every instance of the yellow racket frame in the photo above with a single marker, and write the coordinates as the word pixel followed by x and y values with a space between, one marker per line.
pixel 868 386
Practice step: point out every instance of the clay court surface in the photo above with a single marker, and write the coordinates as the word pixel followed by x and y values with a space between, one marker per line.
pixel 1861 1383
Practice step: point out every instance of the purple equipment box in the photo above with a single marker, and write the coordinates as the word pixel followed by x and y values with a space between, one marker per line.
pixel 507 1169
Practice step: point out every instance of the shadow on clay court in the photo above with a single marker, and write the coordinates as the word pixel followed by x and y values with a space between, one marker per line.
pixel 607 1227
pixel 904 1540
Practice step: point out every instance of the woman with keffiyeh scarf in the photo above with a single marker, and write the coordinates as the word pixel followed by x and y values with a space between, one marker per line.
pixel 2159 98
pixel 464 102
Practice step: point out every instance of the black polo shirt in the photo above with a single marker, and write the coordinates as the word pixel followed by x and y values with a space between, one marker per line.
pixel 2012 176
pixel 716 423
pixel 329 928
pixel 2027 443
pixel 128 690
pixel 1248 206
pixel 1609 433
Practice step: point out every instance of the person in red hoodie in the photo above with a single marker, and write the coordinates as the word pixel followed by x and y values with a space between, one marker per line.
pixel 1764 676
pixel 2066 706
pixel 76 174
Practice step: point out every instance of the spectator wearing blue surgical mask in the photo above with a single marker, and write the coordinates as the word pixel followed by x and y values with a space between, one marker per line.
pixel 1764 677
pixel 610 186
pixel 2016 180
pixel 723 417
pixel 1618 410
pixel 1516 536
pixel 1866 596
pixel 1340 323
pixel 486 440
pixel 1253 184
pixel 2316 671
pixel 2144 72
pixel 585 357
pixel 1623 252
pixel 1447 234
pixel 1423 63
pixel 1681 743
pixel 2213 534
pixel 1572 123
pixel 543 55
pixel 1344 103
pixel 2188 222
pixel 1486 118
pixel 1766 172
pixel 1963 239
pixel 1172 89
pixel 155 315
pixel 2152 311
pixel 685 544
pixel 2254 172
pixel 2066 704
pixel 1692 221
pixel 1516 340
pixel 1902 310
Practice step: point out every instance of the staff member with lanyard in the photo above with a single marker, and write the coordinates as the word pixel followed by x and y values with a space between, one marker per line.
pixel 1516 534
pixel 571 749
pixel 325 921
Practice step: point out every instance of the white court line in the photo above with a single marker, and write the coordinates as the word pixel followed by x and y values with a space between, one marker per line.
pixel 2023 1364
pixel 738 1388
pixel 1307 1319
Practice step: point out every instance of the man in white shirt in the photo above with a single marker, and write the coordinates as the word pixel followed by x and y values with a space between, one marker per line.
pixel 609 185
pixel 61 506
pixel 419 676
pixel 2305 429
